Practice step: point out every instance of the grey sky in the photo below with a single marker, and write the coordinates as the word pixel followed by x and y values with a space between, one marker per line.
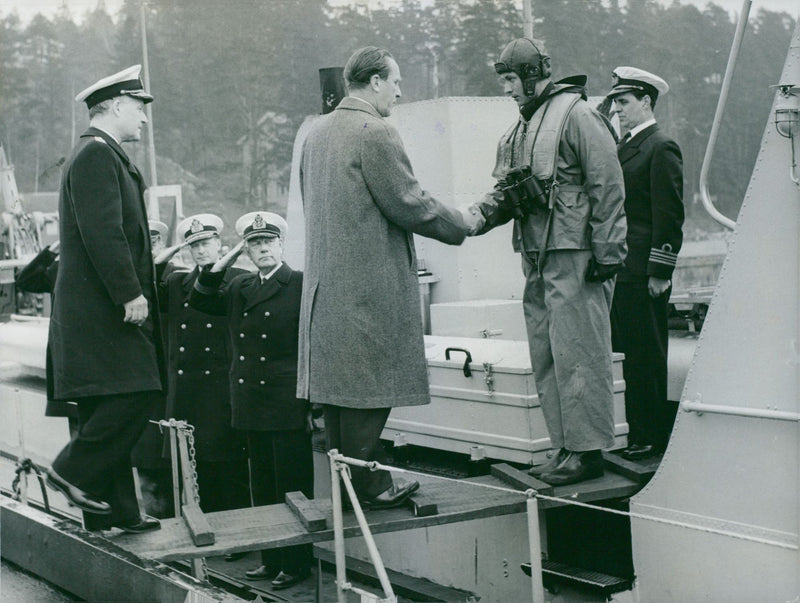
pixel 27 8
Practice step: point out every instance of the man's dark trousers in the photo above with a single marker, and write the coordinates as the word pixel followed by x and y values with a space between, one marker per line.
pixel 98 458
pixel 639 330
pixel 281 461
pixel 356 432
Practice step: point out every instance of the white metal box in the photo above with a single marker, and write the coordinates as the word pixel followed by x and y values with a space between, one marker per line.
pixel 488 318
pixel 493 413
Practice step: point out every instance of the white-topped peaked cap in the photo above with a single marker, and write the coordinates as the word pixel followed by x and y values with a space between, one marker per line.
pixel 158 228
pixel 261 224
pixel 199 227
pixel 123 83
pixel 625 79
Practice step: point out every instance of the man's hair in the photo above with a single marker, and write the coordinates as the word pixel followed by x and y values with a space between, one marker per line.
pixel 100 108
pixel 364 63
pixel 640 94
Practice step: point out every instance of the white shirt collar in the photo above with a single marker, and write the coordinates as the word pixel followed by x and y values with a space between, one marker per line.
pixel 266 277
pixel 642 126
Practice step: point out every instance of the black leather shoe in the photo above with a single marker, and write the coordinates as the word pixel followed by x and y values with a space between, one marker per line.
pixel 393 497
pixel 144 524
pixel 262 572
pixel 235 556
pixel 638 452
pixel 550 465
pixel 76 496
pixel 284 580
pixel 577 467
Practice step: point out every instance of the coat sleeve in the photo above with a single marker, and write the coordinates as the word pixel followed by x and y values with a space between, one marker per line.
pixel 208 294
pixel 666 194
pixel 588 136
pixel 40 274
pixel 391 182
pixel 97 203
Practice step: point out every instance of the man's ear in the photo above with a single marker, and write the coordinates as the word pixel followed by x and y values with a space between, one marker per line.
pixel 374 82
pixel 547 70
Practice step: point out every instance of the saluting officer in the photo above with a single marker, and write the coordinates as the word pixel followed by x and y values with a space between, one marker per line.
pixel 198 355
pixel 263 310
pixel 653 169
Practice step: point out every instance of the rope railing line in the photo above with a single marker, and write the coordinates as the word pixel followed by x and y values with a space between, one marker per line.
pixel 532 493
pixel 672 522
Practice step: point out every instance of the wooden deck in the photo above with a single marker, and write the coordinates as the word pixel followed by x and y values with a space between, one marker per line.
pixel 276 526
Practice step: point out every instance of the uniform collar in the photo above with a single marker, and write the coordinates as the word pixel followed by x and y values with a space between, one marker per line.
pixel 642 126
pixel 96 132
pixel 265 277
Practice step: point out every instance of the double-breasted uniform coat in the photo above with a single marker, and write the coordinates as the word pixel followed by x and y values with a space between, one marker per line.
pixel 114 370
pixel 199 357
pixel 653 169
pixel 361 334
pixel 263 320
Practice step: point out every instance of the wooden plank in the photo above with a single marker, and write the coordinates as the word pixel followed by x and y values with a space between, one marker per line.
pixel 520 479
pixel 276 526
pixel 418 589
pixel 306 511
pixel 197 524
pixel 422 505
pixel 638 472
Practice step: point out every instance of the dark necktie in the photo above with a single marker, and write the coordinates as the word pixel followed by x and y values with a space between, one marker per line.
pixel 624 140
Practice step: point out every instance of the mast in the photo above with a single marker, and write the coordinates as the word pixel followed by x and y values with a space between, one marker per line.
pixel 151 147
pixel 527 18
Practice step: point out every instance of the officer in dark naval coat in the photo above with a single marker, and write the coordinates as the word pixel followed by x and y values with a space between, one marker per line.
pixel 105 338
pixel 263 310
pixel 653 170
pixel 198 354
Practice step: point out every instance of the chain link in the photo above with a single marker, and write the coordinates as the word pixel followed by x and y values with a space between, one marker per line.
pixel 193 462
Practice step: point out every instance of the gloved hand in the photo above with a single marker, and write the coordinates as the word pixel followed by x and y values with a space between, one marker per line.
pixel 597 272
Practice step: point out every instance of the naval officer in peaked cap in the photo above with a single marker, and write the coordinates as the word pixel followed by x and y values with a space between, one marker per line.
pixel 263 310
pixel 105 339
pixel 653 170
pixel 198 356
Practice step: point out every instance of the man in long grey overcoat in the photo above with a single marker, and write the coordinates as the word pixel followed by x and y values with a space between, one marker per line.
pixel 361 337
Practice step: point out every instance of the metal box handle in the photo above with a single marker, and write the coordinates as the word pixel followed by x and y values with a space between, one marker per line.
pixel 467 370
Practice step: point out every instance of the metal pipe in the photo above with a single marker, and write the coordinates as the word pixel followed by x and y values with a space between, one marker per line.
pixel 23 477
pixel 723 99
pixel 173 453
pixel 534 538
pixel 375 556
pixel 338 527
pixel 755 413
pixel 151 145
pixel 527 18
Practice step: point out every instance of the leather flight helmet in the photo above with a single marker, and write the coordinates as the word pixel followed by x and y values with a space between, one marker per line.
pixel 526 58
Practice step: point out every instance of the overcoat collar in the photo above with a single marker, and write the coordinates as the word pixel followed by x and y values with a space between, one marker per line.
pixel 631 148
pixel 111 142
pixel 255 292
pixel 188 280
pixel 349 103
pixel 97 132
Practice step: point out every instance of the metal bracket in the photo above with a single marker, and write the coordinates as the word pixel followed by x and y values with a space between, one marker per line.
pixel 488 377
